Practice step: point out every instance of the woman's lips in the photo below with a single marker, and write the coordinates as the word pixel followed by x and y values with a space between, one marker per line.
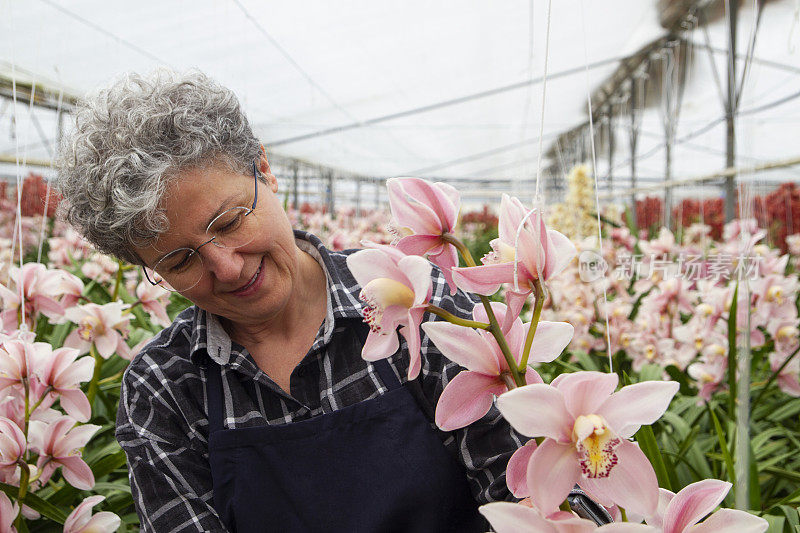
pixel 251 286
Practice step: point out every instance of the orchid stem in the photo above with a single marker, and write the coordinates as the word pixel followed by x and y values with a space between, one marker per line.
pixel 494 328
pixel 24 476
pixel 538 294
pixel 98 363
pixel 497 332
pixel 453 319
pixel 118 281
pixel 461 247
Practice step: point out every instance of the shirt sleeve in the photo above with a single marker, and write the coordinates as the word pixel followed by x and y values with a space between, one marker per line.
pixel 169 472
pixel 485 446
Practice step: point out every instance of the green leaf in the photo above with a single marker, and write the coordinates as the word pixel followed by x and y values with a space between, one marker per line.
pixel 776 523
pixel 732 353
pixel 754 487
pixel 651 372
pixel 723 444
pixel 647 442
pixel 586 361
pixel 33 501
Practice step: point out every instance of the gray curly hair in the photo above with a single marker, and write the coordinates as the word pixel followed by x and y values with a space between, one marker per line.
pixel 131 139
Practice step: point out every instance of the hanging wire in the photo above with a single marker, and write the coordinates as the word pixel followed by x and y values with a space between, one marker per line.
pixel 18 172
pixel 596 187
pixel 52 164
pixel 537 199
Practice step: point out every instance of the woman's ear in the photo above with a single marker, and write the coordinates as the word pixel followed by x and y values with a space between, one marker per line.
pixel 263 164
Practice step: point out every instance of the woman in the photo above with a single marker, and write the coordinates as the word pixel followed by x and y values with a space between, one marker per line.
pixel 254 411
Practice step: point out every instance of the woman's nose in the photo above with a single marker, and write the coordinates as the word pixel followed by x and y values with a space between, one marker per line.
pixel 224 263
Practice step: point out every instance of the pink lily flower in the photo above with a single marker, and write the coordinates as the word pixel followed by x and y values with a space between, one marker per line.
pixel 80 520
pixel 152 298
pixel 59 369
pixel 101 325
pixel 8 513
pixel 587 425
pixel 507 517
pixel 471 393
pixel 542 254
pixel 58 444
pixel 40 287
pixel 680 513
pixel 395 289
pixel 428 210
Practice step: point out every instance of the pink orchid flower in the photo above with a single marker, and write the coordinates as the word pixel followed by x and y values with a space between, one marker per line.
pixel 101 325
pixel 59 369
pixel 517 469
pixel 680 513
pixel 19 360
pixel 541 254
pixel 8 513
pixel 152 298
pixel 80 520
pixel 40 288
pixel 428 210
pixel 12 442
pixel 395 289
pixel 506 517
pixel 586 425
pixel 58 444
pixel 470 394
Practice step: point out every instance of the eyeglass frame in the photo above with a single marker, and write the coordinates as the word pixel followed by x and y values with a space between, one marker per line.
pixel 197 250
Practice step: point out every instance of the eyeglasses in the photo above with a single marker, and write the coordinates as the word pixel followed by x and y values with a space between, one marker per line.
pixel 182 268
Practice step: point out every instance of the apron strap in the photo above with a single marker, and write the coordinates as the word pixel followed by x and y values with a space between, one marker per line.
pixel 214 396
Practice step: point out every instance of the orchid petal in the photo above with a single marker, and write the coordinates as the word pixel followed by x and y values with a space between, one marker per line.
pixel 550 340
pixel 75 404
pixel 466 399
pixel 552 472
pixel 418 244
pixel 507 517
pixel 463 346
pixel 585 392
pixel 517 470
pixel 632 483
pixel 485 280
pixel 560 253
pixel 369 264
pixel 417 271
pixel 636 405
pixel 380 346
pixel 694 502
pixel 731 520
pixel 537 411
pixel 76 472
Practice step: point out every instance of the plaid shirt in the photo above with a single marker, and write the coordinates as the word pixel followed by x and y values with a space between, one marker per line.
pixel 162 421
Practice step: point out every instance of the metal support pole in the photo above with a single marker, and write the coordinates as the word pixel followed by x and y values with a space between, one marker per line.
pixel 730 114
pixel 634 139
pixel 610 130
pixel 329 190
pixel 358 197
pixel 667 179
pixel 295 188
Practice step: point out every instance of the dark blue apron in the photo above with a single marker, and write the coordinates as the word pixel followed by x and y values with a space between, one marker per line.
pixel 376 466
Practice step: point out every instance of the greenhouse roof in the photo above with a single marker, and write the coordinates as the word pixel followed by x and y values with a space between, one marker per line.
pixel 437 89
